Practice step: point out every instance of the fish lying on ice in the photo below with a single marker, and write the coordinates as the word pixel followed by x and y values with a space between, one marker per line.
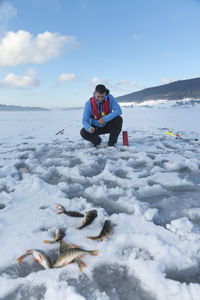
pixel 64 247
pixel 39 256
pixel 59 235
pixel 70 254
pixel 70 213
pixel 88 218
pixel 106 231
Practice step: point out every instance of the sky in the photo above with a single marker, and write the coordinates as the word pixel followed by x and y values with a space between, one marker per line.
pixel 54 52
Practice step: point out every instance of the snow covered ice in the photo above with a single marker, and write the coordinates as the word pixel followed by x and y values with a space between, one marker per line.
pixel 149 190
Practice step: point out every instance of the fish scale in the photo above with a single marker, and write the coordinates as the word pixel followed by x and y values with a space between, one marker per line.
pixel 70 254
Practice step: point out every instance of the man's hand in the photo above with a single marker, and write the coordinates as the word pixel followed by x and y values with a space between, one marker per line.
pixel 91 130
pixel 101 121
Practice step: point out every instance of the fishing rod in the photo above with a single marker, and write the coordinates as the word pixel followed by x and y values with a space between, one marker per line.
pixel 177 136
pixel 60 132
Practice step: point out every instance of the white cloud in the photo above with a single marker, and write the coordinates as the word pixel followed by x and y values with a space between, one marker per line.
pixel 166 80
pixel 18 48
pixel 120 86
pixel 7 13
pixel 66 77
pixel 31 72
pixel 12 80
pixel 95 81
pixel 126 83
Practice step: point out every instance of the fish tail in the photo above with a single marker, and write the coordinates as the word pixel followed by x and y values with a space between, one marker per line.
pixel 81 227
pixel 19 259
pixel 93 252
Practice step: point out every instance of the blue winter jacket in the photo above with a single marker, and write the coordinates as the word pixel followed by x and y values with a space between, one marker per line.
pixel 88 116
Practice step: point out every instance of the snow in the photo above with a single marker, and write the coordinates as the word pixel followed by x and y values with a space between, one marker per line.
pixel 162 103
pixel 149 190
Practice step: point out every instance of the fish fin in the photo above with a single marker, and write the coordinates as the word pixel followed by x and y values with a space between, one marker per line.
pixel 75 246
pixel 60 212
pixel 29 250
pixel 94 252
pixel 101 240
pixel 81 262
pixel 79 228
pixel 84 264
pixel 58 206
pixel 19 259
pixel 46 242
pixel 37 260
pixel 80 268
pixel 81 265
pixel 49 242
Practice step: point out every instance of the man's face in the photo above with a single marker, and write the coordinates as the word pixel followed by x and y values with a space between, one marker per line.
pixel 99 97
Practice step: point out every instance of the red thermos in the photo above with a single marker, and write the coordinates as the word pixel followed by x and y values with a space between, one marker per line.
pixel 125 138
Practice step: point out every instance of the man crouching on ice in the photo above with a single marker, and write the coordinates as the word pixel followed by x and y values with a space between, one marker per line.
pixel 101 115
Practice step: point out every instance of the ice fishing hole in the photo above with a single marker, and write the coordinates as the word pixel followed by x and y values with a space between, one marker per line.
pixel 22 167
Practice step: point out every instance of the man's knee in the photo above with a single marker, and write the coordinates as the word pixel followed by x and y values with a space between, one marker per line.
pixel 91 137
pixel 117 121
pixel 83 133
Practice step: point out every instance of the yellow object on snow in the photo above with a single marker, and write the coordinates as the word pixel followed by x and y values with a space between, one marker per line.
pixel 170 133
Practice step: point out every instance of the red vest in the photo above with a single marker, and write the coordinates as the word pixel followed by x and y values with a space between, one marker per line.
pixel 105 111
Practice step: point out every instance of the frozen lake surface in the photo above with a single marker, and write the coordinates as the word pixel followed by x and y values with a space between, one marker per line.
pixel 150 191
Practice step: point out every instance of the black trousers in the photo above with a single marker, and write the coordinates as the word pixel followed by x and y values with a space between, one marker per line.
pixel 113 127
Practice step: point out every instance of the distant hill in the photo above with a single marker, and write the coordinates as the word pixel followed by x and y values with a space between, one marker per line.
pixel 177 90
pixel 20 108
